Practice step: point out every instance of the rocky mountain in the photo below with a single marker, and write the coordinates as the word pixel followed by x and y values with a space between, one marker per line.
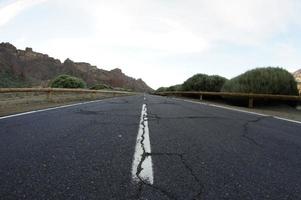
pixel 297 76
pixel 26 68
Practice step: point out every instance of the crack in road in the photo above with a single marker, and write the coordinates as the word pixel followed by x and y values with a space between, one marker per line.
pixel 145 154
pixel 122 101
pixel 157 118
pixel 139 170
pixel 246 134
pixel 104 112
pixel 187 167
pixel 163 103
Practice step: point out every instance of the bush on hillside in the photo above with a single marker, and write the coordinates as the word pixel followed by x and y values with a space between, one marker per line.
pixel 67 81
pixel 268 80
pixel 174 88
pixel 100 87
pixel 203 82
pixel 8 80
pixel 161 89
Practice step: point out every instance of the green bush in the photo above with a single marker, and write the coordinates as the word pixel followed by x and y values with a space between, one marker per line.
pixel 268 80
pixel 203 82
pixel 67 81
pixel 161 89
pixel 174 88
pixel 9 80
pixel 170 89
pixel 100 87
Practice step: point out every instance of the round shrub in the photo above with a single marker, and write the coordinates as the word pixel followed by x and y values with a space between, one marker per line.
pixel 174 88
pixel 67 81
pixel 100 87
pixel 269 80
pixel 161 89
pixel 203 82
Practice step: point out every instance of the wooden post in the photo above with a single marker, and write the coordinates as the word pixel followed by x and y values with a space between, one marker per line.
pixel 49 96
pixel 93 95
pixel 251 102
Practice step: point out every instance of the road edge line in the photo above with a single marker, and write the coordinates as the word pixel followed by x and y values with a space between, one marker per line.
pixel 48 109
pixel 243 111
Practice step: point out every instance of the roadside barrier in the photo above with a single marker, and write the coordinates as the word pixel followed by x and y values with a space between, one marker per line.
pixel 250 96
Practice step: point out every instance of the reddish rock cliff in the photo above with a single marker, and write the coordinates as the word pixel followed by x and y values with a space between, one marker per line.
pixel 29 68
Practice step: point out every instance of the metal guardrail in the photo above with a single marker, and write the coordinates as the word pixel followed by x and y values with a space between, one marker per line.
pixel 50 91
pixel 249 96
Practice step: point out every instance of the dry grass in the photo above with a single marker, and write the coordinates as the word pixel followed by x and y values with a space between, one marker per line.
pixel 11 103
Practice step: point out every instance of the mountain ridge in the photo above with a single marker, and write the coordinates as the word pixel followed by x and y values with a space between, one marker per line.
pixel 26 68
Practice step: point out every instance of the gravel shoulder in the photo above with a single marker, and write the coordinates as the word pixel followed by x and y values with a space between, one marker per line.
pixel 18 103
pixel 279 110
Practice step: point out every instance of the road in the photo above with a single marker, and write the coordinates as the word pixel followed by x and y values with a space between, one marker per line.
pixel 148 147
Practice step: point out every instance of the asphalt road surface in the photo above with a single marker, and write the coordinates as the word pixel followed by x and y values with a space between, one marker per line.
pixel 148 147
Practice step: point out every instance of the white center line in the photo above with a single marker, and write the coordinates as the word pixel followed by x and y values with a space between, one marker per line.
pixel 142 167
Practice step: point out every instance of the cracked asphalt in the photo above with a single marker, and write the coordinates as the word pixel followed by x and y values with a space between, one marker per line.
pixel 197 151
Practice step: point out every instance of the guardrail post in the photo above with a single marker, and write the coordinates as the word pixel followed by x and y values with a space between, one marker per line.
pixel 251 101
pixel 93 95
pixel 201 97
pixel 49 96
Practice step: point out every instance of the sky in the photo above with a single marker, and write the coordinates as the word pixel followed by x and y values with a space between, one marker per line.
pixel 164 42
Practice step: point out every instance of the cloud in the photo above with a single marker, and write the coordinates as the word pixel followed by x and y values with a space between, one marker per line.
pixel 189 26
pixel 8 12
pixel 149 37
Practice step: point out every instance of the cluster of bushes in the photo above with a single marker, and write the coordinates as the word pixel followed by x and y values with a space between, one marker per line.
pixel 263 81
pixel 170 89
pixel 101 87
pixel 198 82
pixel 8 80
pixel 203 82
pixel 67 81
pixel 269 80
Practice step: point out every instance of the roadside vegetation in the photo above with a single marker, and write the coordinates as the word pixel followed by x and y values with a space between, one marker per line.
pixel 268 80
pixel 67 81
pixel 7 80
pixel 263 81
pixel 204 82
pixel 101 87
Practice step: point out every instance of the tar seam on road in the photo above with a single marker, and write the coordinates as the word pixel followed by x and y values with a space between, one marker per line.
pixel 48 109
pixel 142 167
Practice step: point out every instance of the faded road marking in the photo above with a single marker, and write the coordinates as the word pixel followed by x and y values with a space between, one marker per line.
pixel 142 167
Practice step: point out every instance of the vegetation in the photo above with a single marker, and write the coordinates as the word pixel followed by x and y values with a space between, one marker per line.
pixel 67 81
pixel 263 80
pixel 170 89
pixel 8 80
pixel 161 89
pixel 203 82
pixel 101 87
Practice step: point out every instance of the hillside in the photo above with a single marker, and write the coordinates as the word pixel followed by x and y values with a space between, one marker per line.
pixel 26 68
